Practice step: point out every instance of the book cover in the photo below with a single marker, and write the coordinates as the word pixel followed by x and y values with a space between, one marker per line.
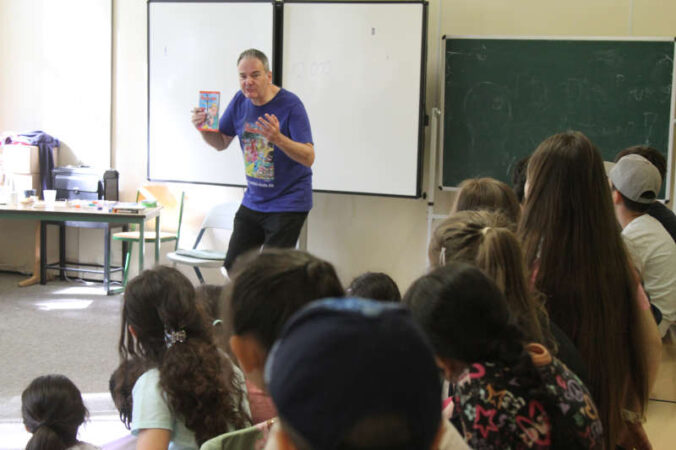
pixel 210 101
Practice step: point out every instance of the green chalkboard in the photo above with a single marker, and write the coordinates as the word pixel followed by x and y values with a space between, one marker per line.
pixel 502 97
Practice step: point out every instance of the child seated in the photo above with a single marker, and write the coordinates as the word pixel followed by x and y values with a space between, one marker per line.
pixel 190 391
pixel 375 286
pixel 356 374
pixel 267 288
pixel 53 410
pixel 509 393
pixel 478 194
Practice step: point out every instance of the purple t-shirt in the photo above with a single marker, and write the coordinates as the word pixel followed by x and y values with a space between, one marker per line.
pixel 275 182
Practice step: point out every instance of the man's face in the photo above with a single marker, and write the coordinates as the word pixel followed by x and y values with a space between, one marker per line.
pixel 253 79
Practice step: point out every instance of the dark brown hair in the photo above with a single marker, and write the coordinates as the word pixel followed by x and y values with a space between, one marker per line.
pixel 487 194
pixel 572 241
pixel 483 239
pixel 52 410
pixel 270 286
pixel 120 385
pixel 197 378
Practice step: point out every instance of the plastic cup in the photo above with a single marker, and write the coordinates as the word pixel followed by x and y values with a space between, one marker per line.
pixel 49 196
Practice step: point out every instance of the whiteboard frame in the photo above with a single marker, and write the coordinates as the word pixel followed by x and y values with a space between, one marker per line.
pixel 276 62
pixel 672 118
pixel 422 115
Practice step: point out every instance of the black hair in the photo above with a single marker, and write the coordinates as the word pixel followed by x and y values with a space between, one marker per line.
pixel 209 297
pixel 198 380
pixel 375 286
pixel 52 410
pixel 120 385
pixel 270 286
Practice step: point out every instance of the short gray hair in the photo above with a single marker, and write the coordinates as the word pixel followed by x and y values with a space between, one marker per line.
pixel 253 53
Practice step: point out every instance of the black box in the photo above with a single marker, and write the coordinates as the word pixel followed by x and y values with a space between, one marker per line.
pixel 85 183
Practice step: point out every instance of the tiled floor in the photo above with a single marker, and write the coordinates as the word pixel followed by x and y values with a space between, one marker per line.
pixel 661 424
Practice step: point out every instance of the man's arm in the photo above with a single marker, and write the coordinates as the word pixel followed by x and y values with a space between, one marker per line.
pixel 301 152
pixel 219 141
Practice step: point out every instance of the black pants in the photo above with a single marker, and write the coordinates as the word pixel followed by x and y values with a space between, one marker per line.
pixel 253 229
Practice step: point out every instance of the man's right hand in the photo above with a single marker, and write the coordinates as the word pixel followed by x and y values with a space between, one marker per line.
pixel 199 117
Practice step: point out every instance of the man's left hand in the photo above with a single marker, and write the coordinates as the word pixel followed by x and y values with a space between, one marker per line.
pixel 268 126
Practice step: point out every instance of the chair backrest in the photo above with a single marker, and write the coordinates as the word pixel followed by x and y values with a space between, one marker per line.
pixel 221 216
pixel 172 205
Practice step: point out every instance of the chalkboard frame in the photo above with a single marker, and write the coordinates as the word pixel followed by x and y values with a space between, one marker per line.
pixel 671 123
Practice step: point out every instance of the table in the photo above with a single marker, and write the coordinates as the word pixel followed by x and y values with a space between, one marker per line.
pixel 61 213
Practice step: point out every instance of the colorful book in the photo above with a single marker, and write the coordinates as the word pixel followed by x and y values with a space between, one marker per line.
pixel 210 101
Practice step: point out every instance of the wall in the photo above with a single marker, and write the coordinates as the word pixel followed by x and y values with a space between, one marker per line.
pixel 356 233
pixel 359 233
pixel 55 77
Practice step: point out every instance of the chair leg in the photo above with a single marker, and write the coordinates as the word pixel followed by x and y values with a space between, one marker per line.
pixel 125 271
pixel 199 274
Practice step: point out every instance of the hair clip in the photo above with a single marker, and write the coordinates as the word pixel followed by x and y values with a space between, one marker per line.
pixel 172 337
pixel 484 230
pixel 442 257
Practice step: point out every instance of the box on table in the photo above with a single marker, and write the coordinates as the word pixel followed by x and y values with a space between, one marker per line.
pixel 23 158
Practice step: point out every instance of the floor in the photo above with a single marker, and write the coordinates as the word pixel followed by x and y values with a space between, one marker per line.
pixel 72 328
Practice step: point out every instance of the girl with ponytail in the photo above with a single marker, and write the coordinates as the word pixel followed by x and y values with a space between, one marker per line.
pixel 52 411
pixel 484 239
pixel 191 392
pixel 509 393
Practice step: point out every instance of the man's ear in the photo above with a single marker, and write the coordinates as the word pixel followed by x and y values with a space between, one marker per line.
pixel 249 352
pixel 617 197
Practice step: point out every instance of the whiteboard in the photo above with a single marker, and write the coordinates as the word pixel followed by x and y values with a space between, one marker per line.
pixel 358 70
pixel 194 47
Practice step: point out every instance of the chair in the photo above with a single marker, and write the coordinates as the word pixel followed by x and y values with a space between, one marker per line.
pixel 219 217
pixel 170 206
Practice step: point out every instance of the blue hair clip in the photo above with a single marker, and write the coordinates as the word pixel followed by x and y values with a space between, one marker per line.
pixel 172 337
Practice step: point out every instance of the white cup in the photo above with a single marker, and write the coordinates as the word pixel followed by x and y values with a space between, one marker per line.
pixel 49 196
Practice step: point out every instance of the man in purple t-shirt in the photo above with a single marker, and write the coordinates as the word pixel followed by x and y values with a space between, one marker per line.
pixel 276 140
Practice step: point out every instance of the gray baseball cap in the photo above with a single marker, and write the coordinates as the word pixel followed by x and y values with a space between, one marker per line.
pixel 636 178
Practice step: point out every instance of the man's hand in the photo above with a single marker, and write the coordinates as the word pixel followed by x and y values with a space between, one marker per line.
pixel 199 117
pixel 268 126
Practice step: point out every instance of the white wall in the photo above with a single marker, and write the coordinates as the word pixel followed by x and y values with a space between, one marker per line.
pixel 55 76
pixel 359 233
pixel 356 233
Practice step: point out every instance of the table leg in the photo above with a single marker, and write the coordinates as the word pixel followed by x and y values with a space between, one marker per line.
pixel 157 240
pixel 62 250
pixel 106 259
pixel 142 247
pixel 35 278
pixel 43 252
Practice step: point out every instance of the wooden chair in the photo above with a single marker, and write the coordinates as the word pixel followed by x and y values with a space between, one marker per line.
pixel 172 207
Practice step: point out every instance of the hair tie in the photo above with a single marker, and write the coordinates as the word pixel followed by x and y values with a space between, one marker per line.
pixel 484 230
pixel 171 337
pixel 442 257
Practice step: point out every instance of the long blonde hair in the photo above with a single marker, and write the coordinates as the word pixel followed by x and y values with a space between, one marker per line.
pixel 483 238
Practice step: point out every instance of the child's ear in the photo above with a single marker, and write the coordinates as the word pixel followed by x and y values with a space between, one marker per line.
pixel 283 440
pixel 249 352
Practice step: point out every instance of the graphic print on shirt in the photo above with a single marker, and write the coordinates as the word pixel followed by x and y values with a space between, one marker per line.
pixel 258 157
